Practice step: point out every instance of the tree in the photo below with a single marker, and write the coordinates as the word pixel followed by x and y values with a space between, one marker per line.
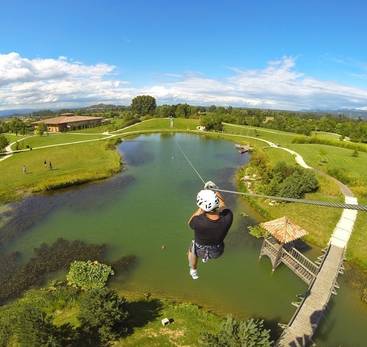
pixel 103 313
pixel 41 129
pixel 3 142
pixel 143 105
pixel 88 274
pixel 33 328
pixel 233 333
pixel 212 122
pixel 17 126
pixel 166 111
pixel 182 111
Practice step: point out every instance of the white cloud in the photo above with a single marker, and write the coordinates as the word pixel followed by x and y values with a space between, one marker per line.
pixel 62 82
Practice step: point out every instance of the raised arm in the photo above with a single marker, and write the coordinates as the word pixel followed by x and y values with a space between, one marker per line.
pixel 198 212
pixel 222 203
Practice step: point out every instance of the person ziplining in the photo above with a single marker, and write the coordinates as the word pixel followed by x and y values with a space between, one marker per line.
pixel 211 223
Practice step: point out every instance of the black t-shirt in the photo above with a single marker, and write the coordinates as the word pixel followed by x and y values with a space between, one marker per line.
pixel 211 232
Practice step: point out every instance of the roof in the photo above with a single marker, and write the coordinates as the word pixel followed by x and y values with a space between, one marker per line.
pixel 67 119
pixel 284 230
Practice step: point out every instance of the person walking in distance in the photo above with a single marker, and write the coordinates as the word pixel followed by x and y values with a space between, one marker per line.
pixel 211 223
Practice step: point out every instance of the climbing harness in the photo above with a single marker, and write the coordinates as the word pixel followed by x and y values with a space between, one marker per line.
pixel 279 198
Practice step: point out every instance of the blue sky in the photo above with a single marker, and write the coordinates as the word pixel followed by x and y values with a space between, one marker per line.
pixel 179 50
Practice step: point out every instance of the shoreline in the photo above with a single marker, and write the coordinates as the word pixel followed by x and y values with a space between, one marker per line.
pixel 258 209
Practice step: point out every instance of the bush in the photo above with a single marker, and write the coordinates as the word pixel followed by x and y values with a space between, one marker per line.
pixel 103 313
pixel 233 333
pixel 88 274
pixel 212 122
pixel 33 328
pixel 287 181
pixel 321 141
pixel 3 142
pixel 46 259
pixel 339 174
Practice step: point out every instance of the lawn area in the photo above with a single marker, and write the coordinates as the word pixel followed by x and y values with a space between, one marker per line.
pixel 326 157
pixel 12 137
pixel 357 248
pixel 189 322
pixel 325 135
pixel 72 164
pixel 163 123
pixel 52 139
pixel 276 136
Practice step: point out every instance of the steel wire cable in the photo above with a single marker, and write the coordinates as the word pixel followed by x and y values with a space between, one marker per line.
pixel 279 198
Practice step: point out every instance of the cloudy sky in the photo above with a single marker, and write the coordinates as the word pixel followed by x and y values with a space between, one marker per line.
pixel 272 54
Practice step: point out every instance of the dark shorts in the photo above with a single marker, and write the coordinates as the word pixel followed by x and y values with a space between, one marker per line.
pixel 207 252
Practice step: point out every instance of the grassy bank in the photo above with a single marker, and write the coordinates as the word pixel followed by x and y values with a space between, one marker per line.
pixel 71 165
pixel 336 161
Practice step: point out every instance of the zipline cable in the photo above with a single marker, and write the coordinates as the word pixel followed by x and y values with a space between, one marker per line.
pixel 279 198
pixel 190 163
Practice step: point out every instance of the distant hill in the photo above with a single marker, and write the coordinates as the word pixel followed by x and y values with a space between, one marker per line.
pixel 353 113
pixel 6 113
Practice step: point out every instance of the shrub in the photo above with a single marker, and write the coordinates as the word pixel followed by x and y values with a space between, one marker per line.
pixel 47 259
pixel 287 181
pixel 318 140
pixel 103 313
pixel 212 122
pixel 33 328
pixel 3 142
pixel 88 274
pixel 233 333
pixel 339 174
pixel 257 231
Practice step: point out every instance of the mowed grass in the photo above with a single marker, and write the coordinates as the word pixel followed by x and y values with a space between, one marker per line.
pixel 275 136
pixel 357 247
pixel 71 164
pixel 12 137
pixel 326 157
pixel 189 322
pixel 163 124
pixel 53 139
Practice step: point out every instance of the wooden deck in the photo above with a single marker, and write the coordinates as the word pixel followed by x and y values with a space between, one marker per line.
pixel 306 319
pixel 302 326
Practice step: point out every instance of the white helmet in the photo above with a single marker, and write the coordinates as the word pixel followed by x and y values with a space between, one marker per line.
pixel 207 200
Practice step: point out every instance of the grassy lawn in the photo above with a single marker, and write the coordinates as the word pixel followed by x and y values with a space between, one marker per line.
pixel 357 248
pixel 52 139
pixel 163 123
pixel 278 137
pixel 335 158
pixel 189 321
pixel 12 137
pixel 72 164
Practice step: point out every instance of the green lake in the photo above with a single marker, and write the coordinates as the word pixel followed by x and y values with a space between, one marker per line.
pixel 147 206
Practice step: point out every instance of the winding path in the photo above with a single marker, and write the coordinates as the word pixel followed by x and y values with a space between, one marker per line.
pixel 302 326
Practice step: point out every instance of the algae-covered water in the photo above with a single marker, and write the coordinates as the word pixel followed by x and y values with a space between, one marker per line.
pixel 147 206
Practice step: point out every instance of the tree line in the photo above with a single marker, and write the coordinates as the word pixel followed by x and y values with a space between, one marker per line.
pixel 143 106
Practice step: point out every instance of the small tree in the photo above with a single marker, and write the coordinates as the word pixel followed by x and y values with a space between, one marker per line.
pixel 33 328
pixel 3 142
pixel 212 122
pixel 88 274
pixel 41 129
pixel 233 333
pixel 103 313
pixel 143 105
